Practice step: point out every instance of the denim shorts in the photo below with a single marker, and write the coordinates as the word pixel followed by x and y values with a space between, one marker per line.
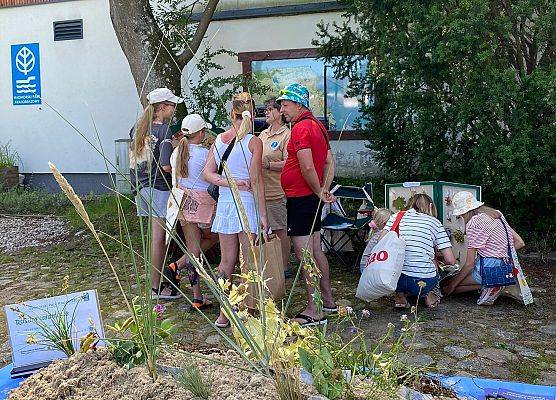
pixel 410 285
pixel 152 202
pixel 476 273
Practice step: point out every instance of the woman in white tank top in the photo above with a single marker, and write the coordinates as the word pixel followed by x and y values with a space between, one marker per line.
pixel 245 164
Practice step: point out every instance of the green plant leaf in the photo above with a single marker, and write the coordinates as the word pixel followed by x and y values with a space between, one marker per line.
pixel 305 359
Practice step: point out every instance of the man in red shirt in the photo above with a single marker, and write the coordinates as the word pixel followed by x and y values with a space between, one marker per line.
pixel 306 178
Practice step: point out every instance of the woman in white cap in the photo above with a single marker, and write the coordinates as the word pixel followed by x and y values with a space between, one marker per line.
pixel 197 209
pixel 489 237
pixel 243 154
pixel 149 156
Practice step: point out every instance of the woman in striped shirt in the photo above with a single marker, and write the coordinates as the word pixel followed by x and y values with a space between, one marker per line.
pixel 487 237
pixel 424 235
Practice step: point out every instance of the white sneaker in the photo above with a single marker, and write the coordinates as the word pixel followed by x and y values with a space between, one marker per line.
pixel 488 296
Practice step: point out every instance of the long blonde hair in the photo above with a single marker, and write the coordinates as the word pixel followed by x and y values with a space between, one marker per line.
pixel 491 212
pixel 242 102
pixel 422 202
pixel 182 159
pixel 141 136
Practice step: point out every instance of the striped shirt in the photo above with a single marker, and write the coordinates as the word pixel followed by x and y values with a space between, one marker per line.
pixel 487 235
pixel 422 234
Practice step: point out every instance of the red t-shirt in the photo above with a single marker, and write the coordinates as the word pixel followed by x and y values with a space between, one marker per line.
pixel 307 133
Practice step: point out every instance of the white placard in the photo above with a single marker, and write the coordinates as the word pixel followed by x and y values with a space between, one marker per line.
pixel 83 307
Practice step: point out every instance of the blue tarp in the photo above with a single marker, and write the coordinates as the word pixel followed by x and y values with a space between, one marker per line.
pixel 6 381
pixel 479 389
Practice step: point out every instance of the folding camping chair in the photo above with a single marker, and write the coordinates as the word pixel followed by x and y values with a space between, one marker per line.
pixel 346 230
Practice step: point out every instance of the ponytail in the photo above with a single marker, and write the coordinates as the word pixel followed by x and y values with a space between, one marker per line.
pixel 246 125
pixel 141 137
pixel 182 159
pixel 242 107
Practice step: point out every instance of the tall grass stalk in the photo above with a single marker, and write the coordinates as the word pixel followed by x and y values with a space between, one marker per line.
pixel 8 156
pixel 192 379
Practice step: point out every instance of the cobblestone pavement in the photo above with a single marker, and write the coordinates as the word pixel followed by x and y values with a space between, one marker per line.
pixel 505 341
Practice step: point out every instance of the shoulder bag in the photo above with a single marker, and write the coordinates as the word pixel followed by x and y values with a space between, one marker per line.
pixel 213 189
pixel 495 271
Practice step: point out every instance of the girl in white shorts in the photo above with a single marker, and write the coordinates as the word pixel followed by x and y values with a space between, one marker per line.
pixel 244 163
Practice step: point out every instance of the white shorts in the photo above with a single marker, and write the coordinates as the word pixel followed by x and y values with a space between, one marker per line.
pixel 227 218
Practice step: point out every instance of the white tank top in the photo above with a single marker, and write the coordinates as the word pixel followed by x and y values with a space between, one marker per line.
pixel 238 162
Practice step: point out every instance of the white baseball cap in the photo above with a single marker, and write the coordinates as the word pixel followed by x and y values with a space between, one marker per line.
pixel 194 123
pixel 163 94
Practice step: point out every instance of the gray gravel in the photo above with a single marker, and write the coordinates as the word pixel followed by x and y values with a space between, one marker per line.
pixel 19 232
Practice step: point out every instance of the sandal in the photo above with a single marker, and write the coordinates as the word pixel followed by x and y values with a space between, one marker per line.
pixel 435 303
pixel 201 304
pixel 402 306
pixel 310 321
pixel 172 273
pixel 333 309
pixel 222 325
pixel 171 293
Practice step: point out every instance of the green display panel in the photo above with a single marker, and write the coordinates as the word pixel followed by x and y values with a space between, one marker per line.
pixel 397 196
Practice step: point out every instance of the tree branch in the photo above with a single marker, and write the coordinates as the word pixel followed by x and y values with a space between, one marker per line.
pixel 197 39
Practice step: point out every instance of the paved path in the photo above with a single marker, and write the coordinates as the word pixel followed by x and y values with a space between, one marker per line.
pixel 506 341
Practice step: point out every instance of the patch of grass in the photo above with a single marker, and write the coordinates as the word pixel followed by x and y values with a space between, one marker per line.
pixel 25 201
pixel 8 156
pixel 525 371
pixel 191 379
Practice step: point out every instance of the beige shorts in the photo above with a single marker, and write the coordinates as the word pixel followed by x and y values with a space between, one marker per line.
pixel 276 214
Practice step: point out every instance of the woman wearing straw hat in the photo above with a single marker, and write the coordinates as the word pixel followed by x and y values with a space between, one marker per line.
pixel 489 237
pixel 149 157
pixel 244 163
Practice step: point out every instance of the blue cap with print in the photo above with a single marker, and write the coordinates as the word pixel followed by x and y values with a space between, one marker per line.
pixel 295 92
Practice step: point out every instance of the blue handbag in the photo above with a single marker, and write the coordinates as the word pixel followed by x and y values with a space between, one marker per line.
pixel 497 272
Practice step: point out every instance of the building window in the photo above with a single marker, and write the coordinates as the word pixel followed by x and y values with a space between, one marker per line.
pixel 328 99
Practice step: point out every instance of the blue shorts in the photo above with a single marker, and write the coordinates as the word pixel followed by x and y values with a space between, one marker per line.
pixel 410 285
pixel 152 202
pixel 476 273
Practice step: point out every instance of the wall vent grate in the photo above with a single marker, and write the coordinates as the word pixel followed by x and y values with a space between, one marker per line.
pixel 68 30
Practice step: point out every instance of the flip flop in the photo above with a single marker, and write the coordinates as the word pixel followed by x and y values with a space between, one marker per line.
pixel 330 309
pixel 402 306
pixel 201 304
pixel 310 321
pixel 156 294
pixel 221 325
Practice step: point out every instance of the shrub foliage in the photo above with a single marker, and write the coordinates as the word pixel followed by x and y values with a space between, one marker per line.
pixel 457 90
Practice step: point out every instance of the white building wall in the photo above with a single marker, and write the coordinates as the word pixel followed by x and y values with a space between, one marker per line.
pixel 284 33
pixel 84 80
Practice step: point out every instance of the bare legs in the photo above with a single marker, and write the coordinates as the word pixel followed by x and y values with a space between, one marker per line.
pixel 468 284
pixel 158 249
pixel 195 243
pixel 312 245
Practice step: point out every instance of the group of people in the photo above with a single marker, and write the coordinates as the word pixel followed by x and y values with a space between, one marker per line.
pixel 490 243
pixel 283 177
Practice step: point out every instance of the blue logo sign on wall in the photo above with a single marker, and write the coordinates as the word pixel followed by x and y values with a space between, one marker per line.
pixel 26 74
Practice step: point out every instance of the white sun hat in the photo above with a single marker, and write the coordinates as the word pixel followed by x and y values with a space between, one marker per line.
pixel 163 94
pixel 464 202
pixel 194 123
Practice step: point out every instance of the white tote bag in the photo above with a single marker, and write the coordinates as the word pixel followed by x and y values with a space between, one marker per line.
pixel 384 266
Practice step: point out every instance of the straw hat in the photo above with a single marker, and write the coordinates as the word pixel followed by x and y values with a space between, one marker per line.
pixel 464 202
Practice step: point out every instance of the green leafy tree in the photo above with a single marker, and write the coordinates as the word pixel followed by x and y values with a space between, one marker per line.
pixel 457 90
